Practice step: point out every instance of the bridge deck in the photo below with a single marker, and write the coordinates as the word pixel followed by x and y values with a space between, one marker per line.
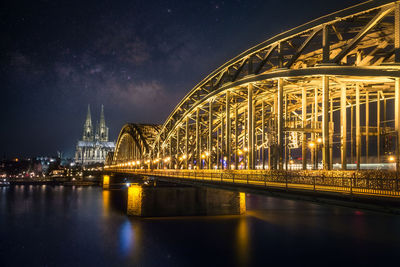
pixel 370 183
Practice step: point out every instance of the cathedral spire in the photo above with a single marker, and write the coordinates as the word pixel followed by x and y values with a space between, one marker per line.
pixel 102 120
pixel 88 127
pixel 103 127
pixel 88 116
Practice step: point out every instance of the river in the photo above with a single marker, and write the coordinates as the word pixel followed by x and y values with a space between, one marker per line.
pixel 86 226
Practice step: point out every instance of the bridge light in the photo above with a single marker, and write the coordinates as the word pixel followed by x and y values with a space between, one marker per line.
pixel 207 154
pixel 240 152
pixel 225 158
pixel 311 145
pixel 392 158
pixel 133 163
pixel 138 162
pixel 184 156
pixel 245 149
pixel 319 140
pixel 203 156
pixel 232 166
pixel 129 163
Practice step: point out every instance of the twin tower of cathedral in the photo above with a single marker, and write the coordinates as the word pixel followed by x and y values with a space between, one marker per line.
pixel 94 146
pixel 101 132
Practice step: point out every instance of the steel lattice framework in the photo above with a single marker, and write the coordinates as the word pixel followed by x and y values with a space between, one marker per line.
pixel 331 84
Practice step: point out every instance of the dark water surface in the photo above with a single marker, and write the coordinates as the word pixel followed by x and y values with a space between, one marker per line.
pixel 85 226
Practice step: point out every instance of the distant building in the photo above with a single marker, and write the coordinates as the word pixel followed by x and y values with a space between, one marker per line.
pixel 94 146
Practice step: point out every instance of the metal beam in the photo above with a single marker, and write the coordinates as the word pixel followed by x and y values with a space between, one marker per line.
pixel 303 124
pixel 366 127
pixel 250 129
pixel 397 119
pixel 384 11
pixel 263 134
pixel 302 47
pixel 343 127
pixel 210 126
pixel 325 122
pixel 358 128
pixel 280 123
pixel 228 129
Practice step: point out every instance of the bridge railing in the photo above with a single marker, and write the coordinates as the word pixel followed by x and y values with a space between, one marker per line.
pixel 367 182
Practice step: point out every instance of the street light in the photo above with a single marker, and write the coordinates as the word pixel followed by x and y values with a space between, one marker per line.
pixel 311 144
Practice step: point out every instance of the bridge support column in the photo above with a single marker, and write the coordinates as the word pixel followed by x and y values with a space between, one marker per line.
pixel 378 126
pixel 352 133
pixel 228 133
pixel 170 161
pixel 397 119
pixel 210 125
pixel 331 132
pixel 315 149
pixel 236 134
pixel 198 159
pixel 250 129
pixel 367 127
pixel 325 122
pixel 285 136
pixel 280 123
pixel 358 128
pixel 187 144
pixel 263 134
pixel 106 182
pixel 177 149
pixel 343 127
pixel 304 135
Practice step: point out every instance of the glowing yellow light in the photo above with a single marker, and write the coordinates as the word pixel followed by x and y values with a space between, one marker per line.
pixel 311 145
pixel 225 158
pixel 134 206
pixel 245 149
pixel 106 181
pixel 319 140
pixel 138 162
pixel 129 163
pixel 291 162
pixel 207 154
pixel 240 152
pixel 203 156
pixel 391 158
pixel 184 156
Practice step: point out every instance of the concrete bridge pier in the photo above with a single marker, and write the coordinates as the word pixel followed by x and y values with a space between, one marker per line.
pixel 106 182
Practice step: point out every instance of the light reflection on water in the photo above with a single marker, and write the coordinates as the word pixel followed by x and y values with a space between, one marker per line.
pixel 64 226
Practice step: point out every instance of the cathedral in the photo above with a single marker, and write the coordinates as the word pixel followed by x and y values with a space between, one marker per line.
pixel 94 146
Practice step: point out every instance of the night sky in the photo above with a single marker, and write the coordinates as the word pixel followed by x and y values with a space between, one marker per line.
pixel 138 58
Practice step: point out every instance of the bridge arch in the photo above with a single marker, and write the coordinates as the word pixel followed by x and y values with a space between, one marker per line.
pixel 304 92
pixel 133 144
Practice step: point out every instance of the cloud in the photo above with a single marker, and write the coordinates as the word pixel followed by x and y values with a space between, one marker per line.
pixel 139 94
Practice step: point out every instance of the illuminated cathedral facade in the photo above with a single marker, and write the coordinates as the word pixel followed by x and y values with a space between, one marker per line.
pixel 94 146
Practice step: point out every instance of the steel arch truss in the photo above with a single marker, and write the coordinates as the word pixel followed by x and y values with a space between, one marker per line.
pixel 301 91
pixel 133 143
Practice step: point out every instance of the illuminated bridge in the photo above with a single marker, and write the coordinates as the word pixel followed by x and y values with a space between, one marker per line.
pixel 296 111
